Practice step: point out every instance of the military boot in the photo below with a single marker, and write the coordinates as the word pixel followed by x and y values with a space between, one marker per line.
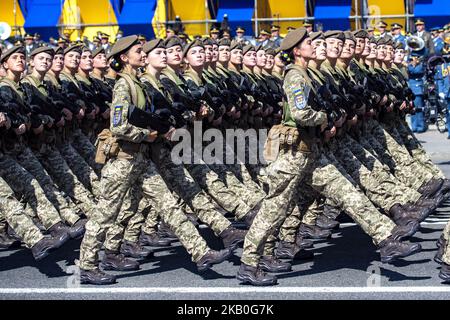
pixel 165 232
pixel 326 223
pixel 420 211
pixel 292 251
pixel 274 265
pixel 153 240
pixel 250 217
pixel 7 242
pixel 97 277
pixel 403 232
pixel 440 253
pixel 431 204
pixel 444 274
pixel 117 261
pixel 303 243
pixel 232 237
pixel 391 249
pixel 44 247
pixel 77 230
pixel 213 257
pixel 60 231
pixel 440 242
pixel 135 250
pixel 314 232
pixel 401 217
pixel 446 189
pixel 431 187
pixel 255 276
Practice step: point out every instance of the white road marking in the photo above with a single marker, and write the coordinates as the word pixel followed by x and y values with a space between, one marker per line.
pixel 441 289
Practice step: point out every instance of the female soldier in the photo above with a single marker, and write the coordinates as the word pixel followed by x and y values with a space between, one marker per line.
pixel 128 164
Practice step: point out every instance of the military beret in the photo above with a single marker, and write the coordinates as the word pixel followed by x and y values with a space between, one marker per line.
pixel 195 43
pixel 183 35
pixel 76 48
pixel 293 38
pixel 349 36
pixel 16 49
pixel 235 45
pixel 172 42
pixel 58 50
pixel 123 44
pixel 207 41
pixel 361 33
pixel 396 26
pixel 383 41
pixel 316 35
pixel 85 48
pixel 45 49
pixel 259 47
pixel 224 42
pixel 334 34
pixel 97 51
pixel 152 45
pixel 399 45
pixel 373 40
pixel 271 51
pixel 248 48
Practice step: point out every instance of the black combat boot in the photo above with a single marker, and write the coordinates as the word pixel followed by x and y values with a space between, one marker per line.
pixel 7 242
pixel 117 261
pixel 292 251
pixel 444 274
pixel 255 276
pixel 440 242
pixel 135 250
pixel 430 204
pixel 401 217
pixel 77 230
pixel 403 232
pixel 303 243
pixel 165 232
pixel 60 231
pixel 213 257
pixel 420 211
pixel 430 188
pixel 445 189
pixel 97 277
pixel 44 247
pixel 326 223
pixel 274 265
pixel 153 240
pixel 391 249
pixel 314 232
pixel 232 237
pixel 440 252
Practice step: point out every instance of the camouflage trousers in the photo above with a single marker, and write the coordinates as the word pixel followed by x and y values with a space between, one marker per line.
pixel 85 174
pixel 12 211
pixel 66 208
pixel 183 184
pixel 86 149
pixel 401 132
pixel 446 233
pixel 323 178
pixel 380 186
pixel 405 167
pixel 26 185
pixel 118 176
pixel 67 181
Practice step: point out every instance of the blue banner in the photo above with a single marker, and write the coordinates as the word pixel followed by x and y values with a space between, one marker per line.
pixel 136 17
pixel 436 13
pixel 43 17
pixel 240 13
pixel 333 14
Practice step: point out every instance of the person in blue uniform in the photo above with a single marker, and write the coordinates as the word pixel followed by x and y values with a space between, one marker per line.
pixel 416 73
pixel 396 32
pixel 443 86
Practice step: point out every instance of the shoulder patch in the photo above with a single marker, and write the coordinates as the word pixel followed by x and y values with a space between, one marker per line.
pixel 117 118
pixel 300 96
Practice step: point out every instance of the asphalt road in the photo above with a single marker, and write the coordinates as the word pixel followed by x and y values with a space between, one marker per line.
pixel 346 267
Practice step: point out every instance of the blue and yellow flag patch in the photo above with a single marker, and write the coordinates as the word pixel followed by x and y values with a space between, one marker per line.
pixel 117 117
pixel 299 98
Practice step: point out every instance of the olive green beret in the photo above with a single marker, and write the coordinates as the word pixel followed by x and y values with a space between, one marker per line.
pixel 59 50
pixel 337 34
pixel 235 45
pixel 248 48
pixel 316 35
pixel 361 33
pixel 195 43
pixel 207 41
pixel 152 45
pixel 271 51
pixel 384 41
pixel 9 52
pixel 85 48
pixel 76 48
pixel 349 36
pixel 172 42
pixel 399 45
pixel 372 40
pixel 38 50
pixel 123 44
pixel 259 47
pixel 97 51
pixel 293 38
pixel 224 42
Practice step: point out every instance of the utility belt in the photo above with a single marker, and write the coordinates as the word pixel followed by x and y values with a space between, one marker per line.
pixel 282 137
pixel 109 147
